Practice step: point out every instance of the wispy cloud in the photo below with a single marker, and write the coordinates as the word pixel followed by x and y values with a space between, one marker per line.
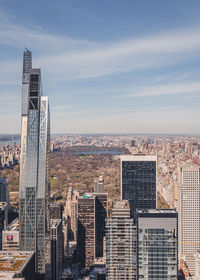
pixel 76 58
pixel 164 89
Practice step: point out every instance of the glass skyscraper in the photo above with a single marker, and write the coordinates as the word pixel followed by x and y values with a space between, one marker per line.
pixel 157 244
pixel 138 181
pixel 34 166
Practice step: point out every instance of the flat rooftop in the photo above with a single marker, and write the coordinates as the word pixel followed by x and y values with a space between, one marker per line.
pixel 55 222
pixel 13 261
pixel 157 211
pixel 138 157
pixel 14 226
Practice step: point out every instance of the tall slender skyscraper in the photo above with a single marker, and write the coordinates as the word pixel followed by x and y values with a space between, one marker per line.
pixel 189 213
pixel 138 181
pixel 34 166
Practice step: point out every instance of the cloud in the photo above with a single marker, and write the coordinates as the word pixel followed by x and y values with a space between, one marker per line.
pixel 77 59
pixel 164 89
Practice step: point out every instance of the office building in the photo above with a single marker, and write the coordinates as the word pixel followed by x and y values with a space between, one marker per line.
pixel 99 185
pixel 71 209
pixel 34 166
pixel 189 213
pixel 101 207
pixel 10 237
pixel 157 244
pixel 120 243
pixel 56 210
pixel 138 181
pixel 86 230
pixel 3 219
pixel 56 248
pixel 17 265
pixel 4 192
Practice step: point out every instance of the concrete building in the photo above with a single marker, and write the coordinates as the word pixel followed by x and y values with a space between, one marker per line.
pixel 86 230
pixel 17 265
pixel 10 237
pixel 99 185
pixel 71 209
pixel 138 181
pixel 189 213
pixel 34 167
pixel 157 244
pixel 56 210
pixel 56 248
pixel 3 219
pixel 120 243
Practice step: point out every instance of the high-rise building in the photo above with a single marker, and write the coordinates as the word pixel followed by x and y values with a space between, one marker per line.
pixel 157 244
pixel 120 243
pixel 86 230
pixel 34 166
pixel 10 237
pixel 3 219
pixel 4 192
pixel 138 181
pixel 189 213
pixel 56 210
pixel 56 248
pixel 101 207
pixel 99 185
pixel 71 209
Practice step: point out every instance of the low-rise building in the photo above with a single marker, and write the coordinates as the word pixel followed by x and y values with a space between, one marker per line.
pixel 10 237
pixel 17 265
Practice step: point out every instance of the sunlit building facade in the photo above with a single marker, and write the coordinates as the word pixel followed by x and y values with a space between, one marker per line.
pixel 34 167
pixel 189 213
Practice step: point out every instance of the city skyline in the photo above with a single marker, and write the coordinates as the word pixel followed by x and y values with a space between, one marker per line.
pixel 105 64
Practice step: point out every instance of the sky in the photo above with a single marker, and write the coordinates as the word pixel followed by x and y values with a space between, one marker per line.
pixel 108 66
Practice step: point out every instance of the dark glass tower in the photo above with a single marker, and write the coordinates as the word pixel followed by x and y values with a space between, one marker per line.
pixel 138 181
pixel 34 166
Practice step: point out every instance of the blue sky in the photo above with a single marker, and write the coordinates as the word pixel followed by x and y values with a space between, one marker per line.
pixel 108 66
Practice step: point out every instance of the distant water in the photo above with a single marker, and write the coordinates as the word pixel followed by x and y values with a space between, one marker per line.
pixel 110 152
pixel 12 142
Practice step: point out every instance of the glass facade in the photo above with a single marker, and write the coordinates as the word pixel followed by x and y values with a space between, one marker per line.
pixel 34 174
pixel 138 182
pixel 157 245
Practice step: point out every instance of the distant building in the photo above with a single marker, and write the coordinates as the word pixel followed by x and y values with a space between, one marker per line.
pixel 10 237
pixel 157 244
pixel 86 230
pixel 138 181
pixel 120 244
pixel 189 213
pixel 4 192
pixel 56 210
pixel 17 265
pixel 99 185
pixel 56 248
